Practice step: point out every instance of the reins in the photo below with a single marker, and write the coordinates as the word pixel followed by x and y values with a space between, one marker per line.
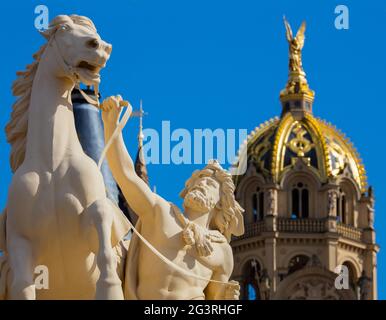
pixel 118 129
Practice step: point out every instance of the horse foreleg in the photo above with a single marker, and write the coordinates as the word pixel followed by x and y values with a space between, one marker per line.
pixel 109 286
pixel 20 259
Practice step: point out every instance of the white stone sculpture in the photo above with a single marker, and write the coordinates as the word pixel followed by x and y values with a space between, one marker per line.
pixel 272 202
pixel 331 208
pixel 57 214
pixel 175 255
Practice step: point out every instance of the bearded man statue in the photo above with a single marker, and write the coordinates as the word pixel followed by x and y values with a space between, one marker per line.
pixel 176 255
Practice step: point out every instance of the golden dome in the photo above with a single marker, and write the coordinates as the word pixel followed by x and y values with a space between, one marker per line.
pixel 275 146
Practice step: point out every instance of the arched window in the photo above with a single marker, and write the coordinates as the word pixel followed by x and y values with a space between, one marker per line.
pixel 298 262
pixel 305 205
pixel 341 207
pixel 295 204
pixel 300 201
pixel 352 276
pixel 258 205
pixel 251 292
pixel 250 285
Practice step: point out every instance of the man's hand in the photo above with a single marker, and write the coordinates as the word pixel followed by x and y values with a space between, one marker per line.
pixel 199 238
pixel 232 291
pixel 111 110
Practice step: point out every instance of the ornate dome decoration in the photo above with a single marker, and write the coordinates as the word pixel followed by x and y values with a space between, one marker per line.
pixel 297 88
pixel 342 154
pixel 275 146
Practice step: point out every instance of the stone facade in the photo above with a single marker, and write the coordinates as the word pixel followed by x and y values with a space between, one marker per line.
pixel 308 208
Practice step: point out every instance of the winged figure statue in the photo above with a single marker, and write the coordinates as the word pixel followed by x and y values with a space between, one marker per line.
pixel 295 47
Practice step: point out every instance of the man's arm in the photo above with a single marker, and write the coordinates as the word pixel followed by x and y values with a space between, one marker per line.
pixel 220 291
pixel 216 291
pixel 136 192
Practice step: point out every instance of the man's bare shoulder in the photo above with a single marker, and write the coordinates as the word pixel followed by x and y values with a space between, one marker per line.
pixel 222 265
pixel 227 264
pixel 227 250
pixel 160 203
pixel 160 207
pixel 168 210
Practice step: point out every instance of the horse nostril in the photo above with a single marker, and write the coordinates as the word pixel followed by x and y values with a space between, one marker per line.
pixel 93 43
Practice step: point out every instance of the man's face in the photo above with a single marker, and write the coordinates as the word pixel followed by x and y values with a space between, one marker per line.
pixel 203 195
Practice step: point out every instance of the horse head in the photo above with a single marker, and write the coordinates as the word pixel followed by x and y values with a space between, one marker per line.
pixel 80 51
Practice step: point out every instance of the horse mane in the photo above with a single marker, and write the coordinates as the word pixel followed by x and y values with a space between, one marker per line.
pixel 17 127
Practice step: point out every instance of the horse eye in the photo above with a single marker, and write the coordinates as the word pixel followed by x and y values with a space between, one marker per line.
pixel 93 43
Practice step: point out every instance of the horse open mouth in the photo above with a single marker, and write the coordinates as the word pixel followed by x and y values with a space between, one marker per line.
pixel 91 67
pixel 88 73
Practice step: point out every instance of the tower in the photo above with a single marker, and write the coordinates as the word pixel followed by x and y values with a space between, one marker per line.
pixel 89 127
pixel 308 209
pixel 140 164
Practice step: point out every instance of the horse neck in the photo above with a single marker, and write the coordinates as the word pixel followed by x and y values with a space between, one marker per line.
pixel 51 136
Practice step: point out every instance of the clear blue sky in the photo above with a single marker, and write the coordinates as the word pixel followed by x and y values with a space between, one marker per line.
pixel 221 64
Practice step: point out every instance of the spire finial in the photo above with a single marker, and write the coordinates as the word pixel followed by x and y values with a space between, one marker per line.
pixel 140 165
pixel 140 134
pixel 297 86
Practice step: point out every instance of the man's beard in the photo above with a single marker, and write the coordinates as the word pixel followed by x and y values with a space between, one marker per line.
pixel 198 201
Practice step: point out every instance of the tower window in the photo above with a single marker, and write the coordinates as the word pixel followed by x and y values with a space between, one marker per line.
pixel 351 273
pixel 254 206
pixel 305 205
pixel 261 205
pixel 300 201
pixel 295 204
pixel 341 207
pixel 251 292
pixel 250 288
pixel 344 216
pixel 338 211
pixel 297 263
pixel 258 205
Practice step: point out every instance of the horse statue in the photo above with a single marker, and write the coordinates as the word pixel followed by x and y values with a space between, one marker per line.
pixel 57 213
